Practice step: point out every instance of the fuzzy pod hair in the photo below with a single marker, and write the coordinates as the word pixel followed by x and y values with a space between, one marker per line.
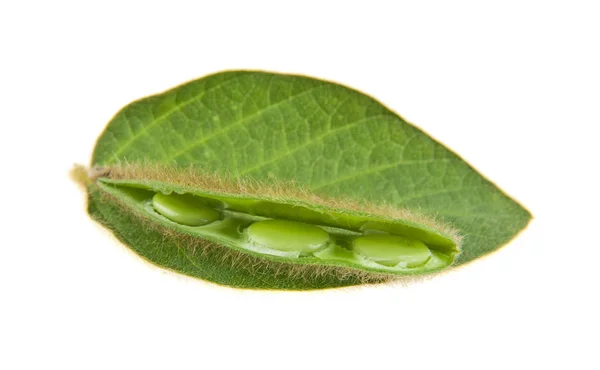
pixel 202 258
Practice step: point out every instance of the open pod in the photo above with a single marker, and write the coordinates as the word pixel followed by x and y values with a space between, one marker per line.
pixel 281 231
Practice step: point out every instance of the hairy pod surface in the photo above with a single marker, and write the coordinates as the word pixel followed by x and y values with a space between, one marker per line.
pixel 270 181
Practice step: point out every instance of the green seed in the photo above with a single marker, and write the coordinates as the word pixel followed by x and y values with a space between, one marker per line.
pixel 184 209
pixel 391 250
pixel 287 236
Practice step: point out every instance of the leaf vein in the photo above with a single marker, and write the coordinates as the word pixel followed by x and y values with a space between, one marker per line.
pixel 168 113
pixel 443 191
pixel 309 142
pixel 241 122
pixel 376 169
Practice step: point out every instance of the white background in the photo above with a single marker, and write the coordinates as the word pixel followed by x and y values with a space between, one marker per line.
pixel 512 86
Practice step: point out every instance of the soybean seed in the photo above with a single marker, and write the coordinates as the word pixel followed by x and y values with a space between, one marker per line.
pixel 184 209
pixel 392 250
pixel 289 236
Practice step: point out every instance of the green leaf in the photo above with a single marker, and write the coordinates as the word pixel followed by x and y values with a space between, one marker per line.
pixel 325 137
